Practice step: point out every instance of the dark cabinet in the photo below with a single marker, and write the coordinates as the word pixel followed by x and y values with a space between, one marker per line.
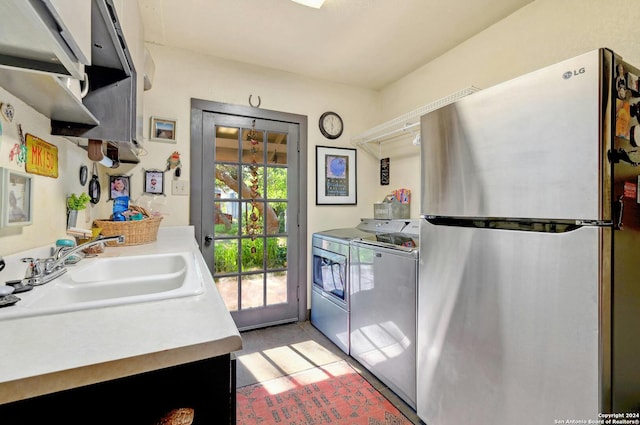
pixel 206 386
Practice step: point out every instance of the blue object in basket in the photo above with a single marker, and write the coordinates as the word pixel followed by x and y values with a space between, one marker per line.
pixel 120 205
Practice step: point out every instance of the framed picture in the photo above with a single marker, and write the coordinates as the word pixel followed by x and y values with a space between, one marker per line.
pixel 16 192
pixel 154 182
pixel 119 186
pixel 335 176
pixel 163 130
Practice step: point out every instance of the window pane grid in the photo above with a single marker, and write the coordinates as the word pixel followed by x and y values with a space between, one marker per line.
pixel 250 213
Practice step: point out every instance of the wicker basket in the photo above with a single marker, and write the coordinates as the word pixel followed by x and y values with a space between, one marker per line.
pixel 181 416
pixel 136 232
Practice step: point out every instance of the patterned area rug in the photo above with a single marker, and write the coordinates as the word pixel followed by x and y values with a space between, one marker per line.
pixel 333 394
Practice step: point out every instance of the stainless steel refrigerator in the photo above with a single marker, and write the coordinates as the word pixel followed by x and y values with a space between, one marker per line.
pixel 529 275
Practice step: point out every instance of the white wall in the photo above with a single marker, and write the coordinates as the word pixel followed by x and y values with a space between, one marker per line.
pixel 540 34
pixel 182 75
pixel 49 213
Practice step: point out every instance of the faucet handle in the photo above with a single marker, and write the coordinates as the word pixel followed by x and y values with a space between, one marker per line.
pixel 33 268
pixel 49 264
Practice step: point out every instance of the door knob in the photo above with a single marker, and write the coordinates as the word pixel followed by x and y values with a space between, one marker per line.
pixel 208 239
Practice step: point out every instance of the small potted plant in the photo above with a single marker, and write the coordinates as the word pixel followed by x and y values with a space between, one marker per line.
pixel 75 204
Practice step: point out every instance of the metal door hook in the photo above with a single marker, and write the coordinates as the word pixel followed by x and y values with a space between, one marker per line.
pixel 259 102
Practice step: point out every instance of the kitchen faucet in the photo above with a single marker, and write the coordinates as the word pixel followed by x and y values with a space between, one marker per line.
pixel 42 270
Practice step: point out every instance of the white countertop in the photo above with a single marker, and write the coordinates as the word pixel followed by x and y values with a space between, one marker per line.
pixel 54 352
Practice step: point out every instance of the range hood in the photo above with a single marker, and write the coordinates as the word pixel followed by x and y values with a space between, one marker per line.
pixel 113 89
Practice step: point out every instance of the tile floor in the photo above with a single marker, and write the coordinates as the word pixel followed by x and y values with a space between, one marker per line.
pixel 282 350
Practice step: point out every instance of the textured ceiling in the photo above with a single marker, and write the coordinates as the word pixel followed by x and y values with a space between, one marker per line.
pixel 365 43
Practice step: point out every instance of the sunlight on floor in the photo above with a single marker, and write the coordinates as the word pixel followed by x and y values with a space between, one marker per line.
pixel 293 356
pixel 258 366
pixel 307 376
pixel 315 352
pixel 279 385
pixel 289 360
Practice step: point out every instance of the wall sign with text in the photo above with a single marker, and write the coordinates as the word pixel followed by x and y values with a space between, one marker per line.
pixel 42 157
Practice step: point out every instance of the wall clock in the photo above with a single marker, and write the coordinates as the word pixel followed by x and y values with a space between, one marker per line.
pixel 331 125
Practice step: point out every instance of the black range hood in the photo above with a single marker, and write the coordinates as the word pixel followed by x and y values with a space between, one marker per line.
pixel 113 88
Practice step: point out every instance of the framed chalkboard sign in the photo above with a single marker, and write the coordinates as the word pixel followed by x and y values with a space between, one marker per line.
pixel 335 176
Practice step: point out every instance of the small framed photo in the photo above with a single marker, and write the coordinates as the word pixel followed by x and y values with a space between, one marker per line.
pixel 119 186
pixel 154 182
pixel 632 82
pixel 335 176
pixel 16 193
pixel 163 130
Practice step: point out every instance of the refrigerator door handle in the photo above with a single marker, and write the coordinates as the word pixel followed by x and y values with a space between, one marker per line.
pixel 519 224
pixel 596 223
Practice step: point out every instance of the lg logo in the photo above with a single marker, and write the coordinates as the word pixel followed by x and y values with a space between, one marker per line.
pixel 570 74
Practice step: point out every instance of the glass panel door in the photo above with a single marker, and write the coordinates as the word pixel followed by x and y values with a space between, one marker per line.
pixel 251 203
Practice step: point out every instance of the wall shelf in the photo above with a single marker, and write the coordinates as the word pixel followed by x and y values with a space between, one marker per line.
pixel 46 94
pixel 403 126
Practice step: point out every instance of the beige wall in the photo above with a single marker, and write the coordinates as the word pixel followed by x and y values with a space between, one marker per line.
pixel 182 75
pixel 540 34
pixel 49 220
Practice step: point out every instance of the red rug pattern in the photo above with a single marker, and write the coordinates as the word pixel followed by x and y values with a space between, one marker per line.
pixel 333 394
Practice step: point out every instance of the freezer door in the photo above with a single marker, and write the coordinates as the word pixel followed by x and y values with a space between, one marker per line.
pixel 526 148
pixel 508 326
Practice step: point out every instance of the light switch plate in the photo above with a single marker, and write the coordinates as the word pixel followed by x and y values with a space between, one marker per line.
pixel 180 187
